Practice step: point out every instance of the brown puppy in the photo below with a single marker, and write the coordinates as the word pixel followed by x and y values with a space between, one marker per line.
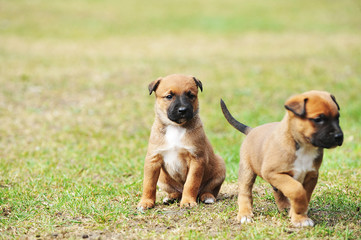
pixel 180 157
pixel 288 154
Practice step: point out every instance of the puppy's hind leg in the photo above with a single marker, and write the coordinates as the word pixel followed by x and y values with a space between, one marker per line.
pixel 281 200
pixel 246 180
pixel 209 192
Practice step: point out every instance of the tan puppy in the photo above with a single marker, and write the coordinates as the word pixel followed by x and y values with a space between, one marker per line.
pixel 288 154
pixel 180 157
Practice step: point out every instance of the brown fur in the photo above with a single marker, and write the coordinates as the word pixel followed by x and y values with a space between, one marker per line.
pixel 270 151
pixel 202 171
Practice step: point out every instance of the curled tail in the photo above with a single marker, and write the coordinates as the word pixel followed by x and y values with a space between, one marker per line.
pixel 237 125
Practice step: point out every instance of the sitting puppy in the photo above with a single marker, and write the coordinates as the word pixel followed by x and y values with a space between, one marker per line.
pixel 180 157
pixel 288 154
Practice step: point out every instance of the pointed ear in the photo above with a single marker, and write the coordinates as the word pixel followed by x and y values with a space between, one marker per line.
pixel 154 85
pixel 198 83
pixel 297 105
pixel 334 99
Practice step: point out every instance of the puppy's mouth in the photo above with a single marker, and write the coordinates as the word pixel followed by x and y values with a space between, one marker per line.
pixel 324 145
pixel 180 119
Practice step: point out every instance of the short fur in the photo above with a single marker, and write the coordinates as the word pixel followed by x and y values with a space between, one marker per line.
pixel 288 154
pixel 180 158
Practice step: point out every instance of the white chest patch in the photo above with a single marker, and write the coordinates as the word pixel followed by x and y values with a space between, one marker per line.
pixel 173 146
pixel 305 158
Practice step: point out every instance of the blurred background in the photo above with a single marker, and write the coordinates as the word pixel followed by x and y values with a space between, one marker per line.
pixel 73 70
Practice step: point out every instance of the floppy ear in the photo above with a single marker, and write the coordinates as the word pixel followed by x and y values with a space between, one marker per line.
pixel 154 85
pixel 334 99
pixel 198 83
pixel 297 105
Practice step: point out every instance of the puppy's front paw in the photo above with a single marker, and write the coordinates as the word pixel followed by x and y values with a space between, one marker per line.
pixel 188 203
pixel 305 222
pixel 245 219
pixel 145 204
pixel 245 215
pixel 301 220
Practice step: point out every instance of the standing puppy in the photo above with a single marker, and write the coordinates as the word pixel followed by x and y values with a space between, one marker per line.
pixel 180 157
pixel 288 154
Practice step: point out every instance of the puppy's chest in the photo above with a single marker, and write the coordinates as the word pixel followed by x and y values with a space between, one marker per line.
pixel 304 163
pixel 174 150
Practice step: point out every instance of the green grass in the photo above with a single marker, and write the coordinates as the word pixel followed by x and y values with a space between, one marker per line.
pixel 75 113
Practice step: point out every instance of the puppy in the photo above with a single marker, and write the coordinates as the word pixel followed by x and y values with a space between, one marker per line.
pixel 180 157
pixel 288 154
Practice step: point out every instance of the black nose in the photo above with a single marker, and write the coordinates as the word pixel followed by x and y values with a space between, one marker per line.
pixel 182 110
pixel 339 138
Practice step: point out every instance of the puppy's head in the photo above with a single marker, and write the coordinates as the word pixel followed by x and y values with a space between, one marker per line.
pixel 176 98
pixel 315 115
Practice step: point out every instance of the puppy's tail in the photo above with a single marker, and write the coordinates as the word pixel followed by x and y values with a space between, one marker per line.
pixel 237 125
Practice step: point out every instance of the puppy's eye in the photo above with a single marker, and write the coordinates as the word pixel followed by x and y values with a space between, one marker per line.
pixel 169 96
pixel 319 120
pixel 191 95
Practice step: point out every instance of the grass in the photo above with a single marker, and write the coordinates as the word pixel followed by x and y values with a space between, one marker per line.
pixel 75 112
